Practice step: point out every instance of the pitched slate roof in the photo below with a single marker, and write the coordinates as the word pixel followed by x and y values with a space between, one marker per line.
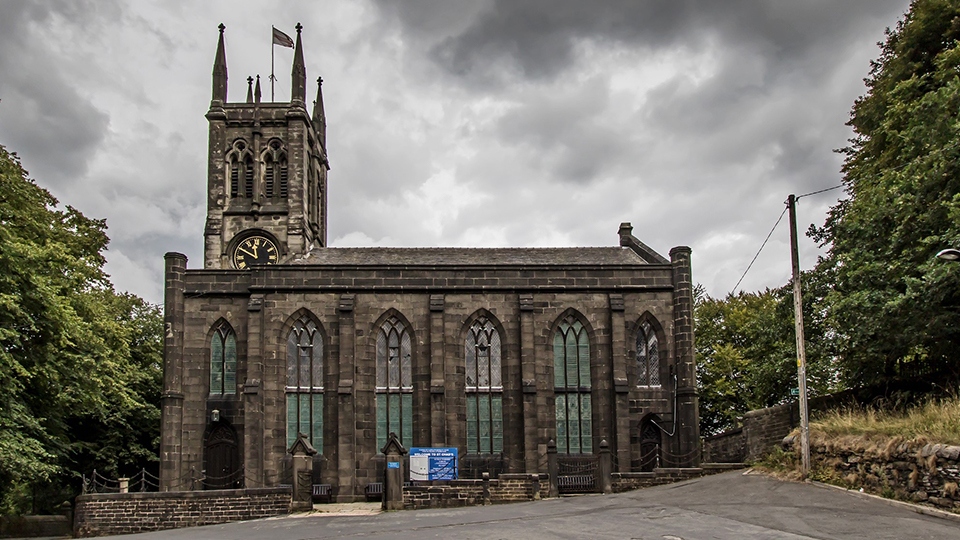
pixel 377 256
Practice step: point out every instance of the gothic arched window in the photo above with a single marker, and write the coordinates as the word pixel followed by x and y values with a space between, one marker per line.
pixel 648 356
pixel 223 360
pixel 240 165
pixel 275 170
pixel 571 368
pixel 394 388
pixel 484 389
pixel 305 383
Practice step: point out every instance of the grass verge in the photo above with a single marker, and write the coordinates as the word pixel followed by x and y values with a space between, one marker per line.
pixel 935 420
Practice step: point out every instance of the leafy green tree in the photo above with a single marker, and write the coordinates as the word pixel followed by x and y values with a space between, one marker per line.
pixel 893 306
pixel 73 353
pixel 746 352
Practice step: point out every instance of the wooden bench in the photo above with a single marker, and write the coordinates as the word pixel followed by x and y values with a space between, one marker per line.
pixel 374 491
pixel 321 493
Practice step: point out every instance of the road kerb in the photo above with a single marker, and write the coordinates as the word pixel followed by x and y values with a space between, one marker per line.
pixel 920 509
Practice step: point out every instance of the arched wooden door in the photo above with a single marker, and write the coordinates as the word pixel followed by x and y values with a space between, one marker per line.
pixel 649 447
pixel 222 459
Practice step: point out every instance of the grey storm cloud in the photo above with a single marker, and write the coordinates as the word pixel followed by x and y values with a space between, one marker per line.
pixel 536 38
pixel 50 116
pixel 456 122
pixel 758 46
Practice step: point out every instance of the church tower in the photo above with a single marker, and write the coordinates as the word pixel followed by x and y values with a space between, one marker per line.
pixel 267 173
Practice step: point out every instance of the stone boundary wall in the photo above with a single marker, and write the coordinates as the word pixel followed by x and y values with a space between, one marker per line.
pixel 629 481
pixel 526 487
pixel 455 493
pixel 726 447
pixel 764 429
pixel 122 513
pixel 913 471
pixel 27 526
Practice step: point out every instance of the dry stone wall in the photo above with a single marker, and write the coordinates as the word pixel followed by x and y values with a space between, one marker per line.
pixel 914 471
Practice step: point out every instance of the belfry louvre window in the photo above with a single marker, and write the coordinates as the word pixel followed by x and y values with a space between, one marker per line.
pixel 248 177
pixel 394 388
pixel 234 176
pixel 305 383
pixel 571 368
pixel 240 165
pixel 275 170
pixel 484 389
pixel 268 176
pixel 648 356
pixel 223 360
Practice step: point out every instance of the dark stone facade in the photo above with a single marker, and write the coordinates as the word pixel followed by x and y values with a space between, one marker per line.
pixel 437 293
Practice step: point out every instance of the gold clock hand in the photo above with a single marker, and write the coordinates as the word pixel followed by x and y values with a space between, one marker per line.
pixel 254 255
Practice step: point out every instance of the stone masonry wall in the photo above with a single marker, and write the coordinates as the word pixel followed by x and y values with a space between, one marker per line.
pixel 525 487
pixel 764 429
pixel 727 447
pixel 621 482
pixel 123 513
pixel 505 489
pixel 436 305
pixel 914 471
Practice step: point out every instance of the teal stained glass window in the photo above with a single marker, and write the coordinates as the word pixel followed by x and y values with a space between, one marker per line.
pixel 223 360
pixel 304 383
pixel 648 356
pixel 484 388
pixel 571 374
pixel 394 388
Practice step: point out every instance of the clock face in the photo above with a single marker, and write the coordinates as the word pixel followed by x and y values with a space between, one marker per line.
pixel 255 250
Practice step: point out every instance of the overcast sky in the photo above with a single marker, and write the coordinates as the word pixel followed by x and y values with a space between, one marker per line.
pixel 473 123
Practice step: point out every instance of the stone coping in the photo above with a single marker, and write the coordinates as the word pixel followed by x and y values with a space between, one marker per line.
pixel 196 494
pixel 723 466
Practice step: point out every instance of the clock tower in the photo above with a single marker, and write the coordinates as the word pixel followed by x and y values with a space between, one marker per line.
pixel 267 173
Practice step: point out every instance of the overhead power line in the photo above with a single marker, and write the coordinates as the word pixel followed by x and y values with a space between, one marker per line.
pixel 820 191
pixel 735 287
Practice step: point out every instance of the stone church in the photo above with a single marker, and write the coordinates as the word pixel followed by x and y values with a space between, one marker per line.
pixel 499 352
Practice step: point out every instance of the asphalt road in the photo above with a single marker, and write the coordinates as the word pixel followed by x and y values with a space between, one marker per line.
pixel 725 506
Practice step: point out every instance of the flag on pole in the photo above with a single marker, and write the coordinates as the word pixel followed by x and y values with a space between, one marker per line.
pixel 279 38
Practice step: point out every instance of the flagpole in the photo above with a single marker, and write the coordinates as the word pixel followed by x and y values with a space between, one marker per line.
pixel 272 47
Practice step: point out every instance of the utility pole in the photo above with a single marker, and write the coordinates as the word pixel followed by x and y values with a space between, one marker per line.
pixel 801 352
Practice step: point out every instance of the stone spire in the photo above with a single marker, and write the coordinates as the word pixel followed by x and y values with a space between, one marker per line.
pixel 299 84
pixel 319 117
pixel 256 91
pixel 220 71
pixel 249 89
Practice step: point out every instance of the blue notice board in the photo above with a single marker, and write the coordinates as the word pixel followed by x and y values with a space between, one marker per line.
pixel 433 463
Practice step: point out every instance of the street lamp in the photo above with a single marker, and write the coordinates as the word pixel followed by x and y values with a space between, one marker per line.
pixel 949 254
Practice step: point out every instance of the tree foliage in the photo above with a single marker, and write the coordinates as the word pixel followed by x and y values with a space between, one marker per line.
pixel 746 353
pixel 893 306
pixel 79 364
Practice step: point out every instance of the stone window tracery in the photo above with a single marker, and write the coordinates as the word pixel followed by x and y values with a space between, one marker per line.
pixel 484 388
pixel 304 384
pixel 223 360
pixel 572 386
pixel 648 356
pixel 394 383
pixel 240 169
